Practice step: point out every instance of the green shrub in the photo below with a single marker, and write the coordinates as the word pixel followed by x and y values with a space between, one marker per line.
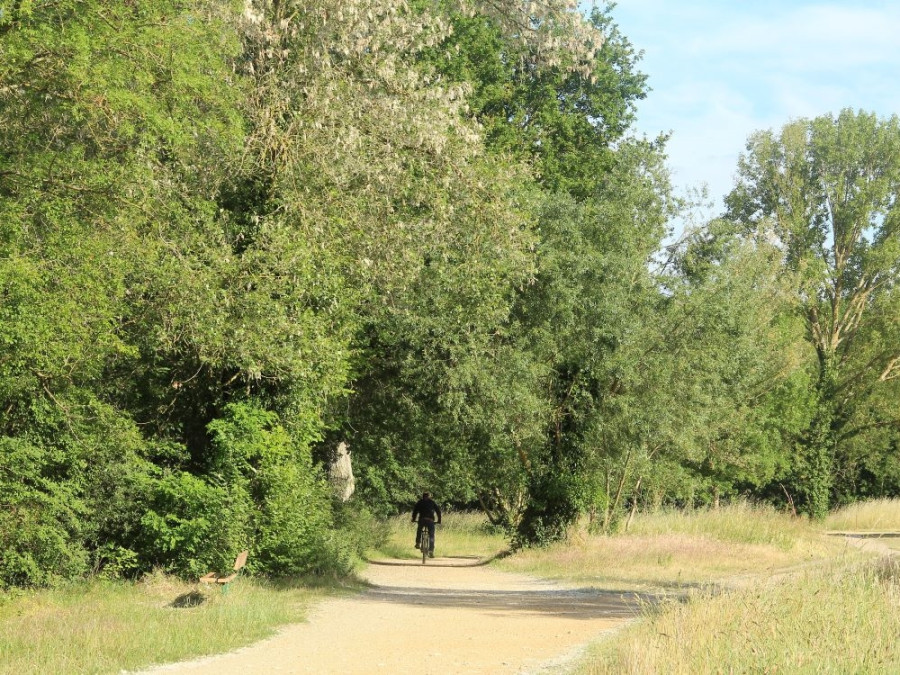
pixel 293 525
pixel 294 530
pixel 74 489
pixel 193 525
pixel 41 519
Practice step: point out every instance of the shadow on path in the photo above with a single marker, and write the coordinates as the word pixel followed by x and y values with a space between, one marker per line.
pixel 575 604
pixel 865 535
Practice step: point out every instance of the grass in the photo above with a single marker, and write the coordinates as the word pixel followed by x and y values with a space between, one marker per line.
pixel 678 549
pixel 740 523
pixel 459 534
pixel 839 618
pixel 105 626
pixel 877 515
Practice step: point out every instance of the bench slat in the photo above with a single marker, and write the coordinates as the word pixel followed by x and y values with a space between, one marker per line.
pixel 241 560
pixel 214 578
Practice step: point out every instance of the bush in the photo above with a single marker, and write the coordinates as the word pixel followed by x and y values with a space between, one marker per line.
pixel 73 485
pixel 295 533
pixel 193 526
pixel 293 526
pixel 41 519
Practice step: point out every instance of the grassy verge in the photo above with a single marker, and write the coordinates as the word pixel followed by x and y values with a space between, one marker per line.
pixel 841 618
pixel 106 627
pixel 459 534
pixel 677 550
pixel 840 615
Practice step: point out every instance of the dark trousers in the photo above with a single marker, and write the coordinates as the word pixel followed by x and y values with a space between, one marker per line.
pixel 426 525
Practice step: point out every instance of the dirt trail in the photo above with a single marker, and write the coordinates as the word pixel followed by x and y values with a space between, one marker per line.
pixel 466 619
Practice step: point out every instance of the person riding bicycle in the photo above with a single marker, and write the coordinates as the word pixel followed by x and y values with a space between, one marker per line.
pixel 426 509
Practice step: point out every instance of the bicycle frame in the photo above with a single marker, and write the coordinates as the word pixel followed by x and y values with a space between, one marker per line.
pixel 425 541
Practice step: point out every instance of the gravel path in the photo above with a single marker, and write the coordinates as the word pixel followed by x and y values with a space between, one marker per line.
pixel 446 617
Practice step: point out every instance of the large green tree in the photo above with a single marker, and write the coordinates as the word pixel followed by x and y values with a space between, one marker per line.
pixel 469 390
pixel 591 296
pixel 102 135
pixel 825 190
pixel 735 360
pixel 564 121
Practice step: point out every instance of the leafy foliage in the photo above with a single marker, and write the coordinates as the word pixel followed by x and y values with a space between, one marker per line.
pixel 826 191
pixel 235 234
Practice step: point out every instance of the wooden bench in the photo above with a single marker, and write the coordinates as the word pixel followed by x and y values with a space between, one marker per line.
pixel 223 581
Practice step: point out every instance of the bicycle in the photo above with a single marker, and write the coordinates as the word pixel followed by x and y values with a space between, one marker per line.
pixel 426 544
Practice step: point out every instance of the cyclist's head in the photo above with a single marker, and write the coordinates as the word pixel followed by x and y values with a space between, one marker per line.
pixel 426 495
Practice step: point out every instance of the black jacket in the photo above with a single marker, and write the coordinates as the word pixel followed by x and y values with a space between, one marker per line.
pixel 426 509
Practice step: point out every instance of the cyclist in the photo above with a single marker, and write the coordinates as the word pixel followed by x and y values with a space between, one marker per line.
pixel 426 509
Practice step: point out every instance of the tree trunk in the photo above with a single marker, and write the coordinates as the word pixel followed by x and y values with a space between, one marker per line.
pixel 814 467
pixel 613 505
pixel 634 501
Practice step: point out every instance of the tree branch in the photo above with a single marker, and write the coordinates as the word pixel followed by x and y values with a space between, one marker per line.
pixel 892 371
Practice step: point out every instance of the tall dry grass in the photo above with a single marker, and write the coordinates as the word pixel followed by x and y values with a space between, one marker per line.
pixel 877 515
pixel 678 549
pixel 841 618
pixel 738 522
pixel 107 627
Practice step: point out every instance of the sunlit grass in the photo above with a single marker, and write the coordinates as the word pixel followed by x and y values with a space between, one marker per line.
pixel 840 618
pixel 835 615
pixel 461 533
pixel 678 549
pixel 740 522
pixel 877 515
pixel 105 627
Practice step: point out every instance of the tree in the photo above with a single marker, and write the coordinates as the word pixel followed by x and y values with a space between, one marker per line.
pixel 563 121
pixel 136 308
pixel 736 361
pixel 826 191
pixel 592 299
pixel 456 376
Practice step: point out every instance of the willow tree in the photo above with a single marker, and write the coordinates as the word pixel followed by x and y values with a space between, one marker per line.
pixel 826 190
pixel 360 149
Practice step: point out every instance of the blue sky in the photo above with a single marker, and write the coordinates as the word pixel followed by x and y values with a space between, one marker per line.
pixel 720 70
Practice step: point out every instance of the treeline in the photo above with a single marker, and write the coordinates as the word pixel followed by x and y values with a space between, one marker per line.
pixel 233 235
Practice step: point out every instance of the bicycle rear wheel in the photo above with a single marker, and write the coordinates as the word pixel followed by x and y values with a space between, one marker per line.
pixel 424 543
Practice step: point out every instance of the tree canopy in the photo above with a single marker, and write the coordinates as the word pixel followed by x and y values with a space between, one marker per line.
pixel 233 235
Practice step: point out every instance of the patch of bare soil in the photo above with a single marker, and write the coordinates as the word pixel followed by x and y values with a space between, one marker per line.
pixel 444 617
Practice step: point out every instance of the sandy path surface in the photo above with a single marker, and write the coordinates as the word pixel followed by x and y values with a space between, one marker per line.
pixel 445 617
